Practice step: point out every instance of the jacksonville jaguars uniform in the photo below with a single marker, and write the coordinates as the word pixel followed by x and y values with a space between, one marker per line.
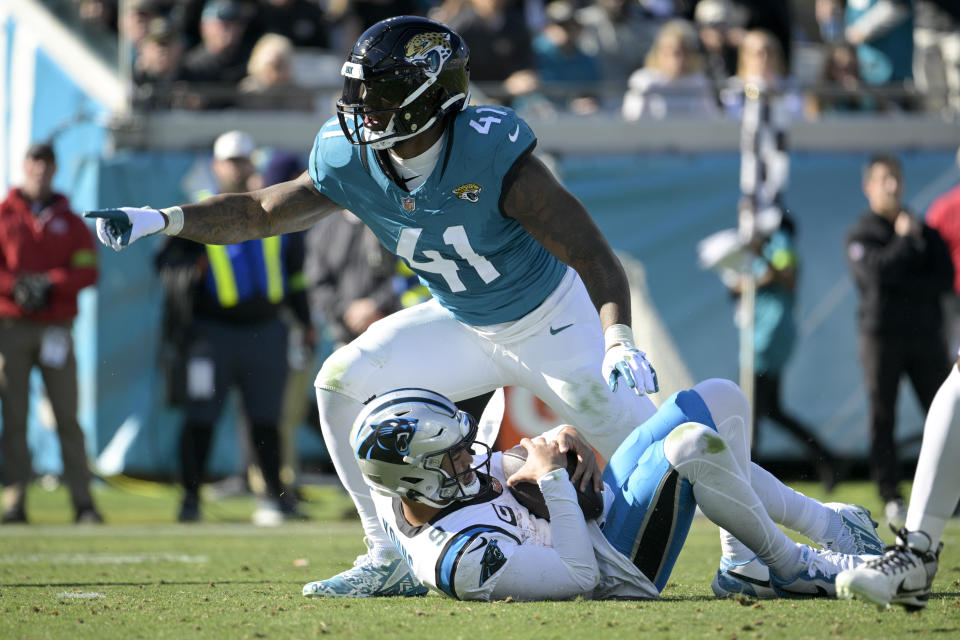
pixel 467 548
pixel 505 310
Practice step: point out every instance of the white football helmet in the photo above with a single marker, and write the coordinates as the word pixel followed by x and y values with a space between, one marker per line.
pixel 401 438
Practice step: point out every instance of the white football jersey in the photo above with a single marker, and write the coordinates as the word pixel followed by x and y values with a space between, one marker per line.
pixel 463 549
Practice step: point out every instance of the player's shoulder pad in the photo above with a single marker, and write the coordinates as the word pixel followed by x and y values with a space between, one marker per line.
pixel 331 150
pixel 498 126
pixel 471 559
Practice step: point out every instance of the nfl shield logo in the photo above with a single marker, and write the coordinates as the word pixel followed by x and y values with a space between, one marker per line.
pixel 409 203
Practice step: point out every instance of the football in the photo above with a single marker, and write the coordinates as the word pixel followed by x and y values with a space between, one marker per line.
pixel 528 493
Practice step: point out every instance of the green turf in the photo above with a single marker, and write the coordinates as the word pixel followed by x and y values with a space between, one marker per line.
pixel 143 576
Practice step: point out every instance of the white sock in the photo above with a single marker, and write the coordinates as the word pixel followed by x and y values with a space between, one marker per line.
pixel 936 485
pixel 791 508
pixel 730 412
pixel 337 413
pixel 725 496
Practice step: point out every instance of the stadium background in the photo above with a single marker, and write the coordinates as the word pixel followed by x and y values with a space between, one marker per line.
pixel 654 189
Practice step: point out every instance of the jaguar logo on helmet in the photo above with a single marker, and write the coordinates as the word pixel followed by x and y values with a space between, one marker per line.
pixel 433 48
pixel 388 441
pixel 469 192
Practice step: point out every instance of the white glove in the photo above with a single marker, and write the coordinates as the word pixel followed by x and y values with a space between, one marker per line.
pixel 118 228
pixel 624 360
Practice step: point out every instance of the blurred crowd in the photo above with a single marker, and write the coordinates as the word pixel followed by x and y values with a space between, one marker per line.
pixel 645 59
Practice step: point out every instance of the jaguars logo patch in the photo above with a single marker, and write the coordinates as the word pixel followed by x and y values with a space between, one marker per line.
pixel 432 49
pixel 469 192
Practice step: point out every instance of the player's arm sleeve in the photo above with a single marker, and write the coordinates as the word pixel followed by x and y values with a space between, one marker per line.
pixel 567 569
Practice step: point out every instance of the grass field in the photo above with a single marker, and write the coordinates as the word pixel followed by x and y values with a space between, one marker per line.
pixel 143 576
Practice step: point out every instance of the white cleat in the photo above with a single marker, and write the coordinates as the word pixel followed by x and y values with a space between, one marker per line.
pixel 817 578
pixel 856 532
pixel 902 575
pixel 369 579
pixel 750 578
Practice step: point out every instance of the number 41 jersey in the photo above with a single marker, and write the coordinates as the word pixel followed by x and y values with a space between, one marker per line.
pixel 480 265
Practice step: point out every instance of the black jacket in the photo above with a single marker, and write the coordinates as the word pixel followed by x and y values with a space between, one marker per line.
pixel 901 279
pixel 344 262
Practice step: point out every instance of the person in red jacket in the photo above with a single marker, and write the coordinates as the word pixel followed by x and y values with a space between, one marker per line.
pixel 47 256
pixel 944 216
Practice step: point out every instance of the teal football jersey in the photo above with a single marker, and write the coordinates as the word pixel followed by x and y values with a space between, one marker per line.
pixel 481 265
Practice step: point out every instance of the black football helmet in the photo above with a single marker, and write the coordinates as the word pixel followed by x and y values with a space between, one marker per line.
pixel 403 75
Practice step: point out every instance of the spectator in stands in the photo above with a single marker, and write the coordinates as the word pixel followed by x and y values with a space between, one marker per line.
pixel 563 68
pixel 760 64
pixel 936 57
pixel 46 257
pixel 303 22
pixel 370 12
pixel 772 16
pixel 158 75
pixel 839 89
pixel 829 17
pixel 268 84
pixel 501 55
pixel 672 82
pixel 221 57
pixel 882 32
pixel 721 25
pixel 229 300
pixel 101 15
pixel 944 216
pixel 901 268
pixel 135 18
pixel 618 33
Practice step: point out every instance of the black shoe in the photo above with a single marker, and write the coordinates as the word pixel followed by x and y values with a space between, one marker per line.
pixel 189 509
pixel 291 510
pixel 88 515
pixel 14 516
pixel 827 472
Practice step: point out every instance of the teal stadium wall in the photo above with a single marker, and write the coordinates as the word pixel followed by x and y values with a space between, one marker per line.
pixel 647 206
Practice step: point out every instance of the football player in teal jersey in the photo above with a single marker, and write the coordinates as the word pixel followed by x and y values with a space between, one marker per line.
pixel 526 291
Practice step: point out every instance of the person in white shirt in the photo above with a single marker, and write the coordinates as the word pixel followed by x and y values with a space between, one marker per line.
pixel 450 516
pixel 672 82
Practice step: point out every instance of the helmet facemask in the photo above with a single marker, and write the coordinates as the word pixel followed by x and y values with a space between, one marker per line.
pixel 453 487
pixel 396 90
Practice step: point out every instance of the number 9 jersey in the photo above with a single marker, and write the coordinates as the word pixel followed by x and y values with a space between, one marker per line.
pixel 480 265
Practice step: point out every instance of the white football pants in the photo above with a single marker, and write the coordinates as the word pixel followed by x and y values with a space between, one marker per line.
pixel 555 351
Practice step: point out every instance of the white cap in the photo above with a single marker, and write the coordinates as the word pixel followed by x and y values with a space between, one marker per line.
pixel 233 144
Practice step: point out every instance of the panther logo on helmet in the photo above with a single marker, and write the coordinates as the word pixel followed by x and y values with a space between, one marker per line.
pixel 388 441
pixel 433 48
pixel 469 192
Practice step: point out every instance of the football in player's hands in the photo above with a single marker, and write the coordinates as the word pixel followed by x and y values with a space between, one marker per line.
pixel 529 495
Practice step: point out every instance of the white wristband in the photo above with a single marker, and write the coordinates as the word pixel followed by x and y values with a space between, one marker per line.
pixel 617 334
pixel 174 217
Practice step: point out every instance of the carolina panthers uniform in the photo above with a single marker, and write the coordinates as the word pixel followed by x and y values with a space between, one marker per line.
pixel 462 551
pixel 505 311
pixel 645 521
